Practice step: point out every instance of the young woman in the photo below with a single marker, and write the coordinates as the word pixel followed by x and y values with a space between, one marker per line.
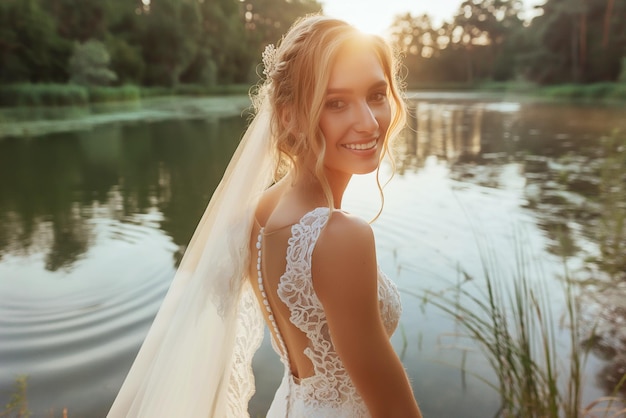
pixel 327 110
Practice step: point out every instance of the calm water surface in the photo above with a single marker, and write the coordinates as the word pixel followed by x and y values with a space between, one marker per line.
pixel 96 209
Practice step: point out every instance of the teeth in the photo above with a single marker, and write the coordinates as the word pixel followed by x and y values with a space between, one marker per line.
pixel 368 145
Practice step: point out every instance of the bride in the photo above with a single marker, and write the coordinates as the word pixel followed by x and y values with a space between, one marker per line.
pixel 274 245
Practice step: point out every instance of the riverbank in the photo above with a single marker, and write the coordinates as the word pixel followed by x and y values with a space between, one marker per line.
pixel 57 95
pixel 31 121
pixel 26 121
pixel 596 92
pixel 29 94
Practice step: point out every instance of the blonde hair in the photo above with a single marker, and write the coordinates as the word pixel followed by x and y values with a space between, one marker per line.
pixel 297 74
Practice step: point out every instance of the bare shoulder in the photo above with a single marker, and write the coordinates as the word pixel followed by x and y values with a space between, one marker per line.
pixel 345 276
pixel 345 233
pixel 344 259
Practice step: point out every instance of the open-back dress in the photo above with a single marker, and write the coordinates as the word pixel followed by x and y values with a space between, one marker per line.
pixel 328 392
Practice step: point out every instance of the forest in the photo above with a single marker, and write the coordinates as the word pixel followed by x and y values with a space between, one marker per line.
pixel 570 41
pixel 218 42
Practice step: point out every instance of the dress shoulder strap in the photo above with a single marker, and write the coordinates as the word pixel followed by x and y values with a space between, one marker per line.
pixel 295 287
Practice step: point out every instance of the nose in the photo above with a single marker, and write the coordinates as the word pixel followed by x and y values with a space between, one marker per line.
pixel 365 120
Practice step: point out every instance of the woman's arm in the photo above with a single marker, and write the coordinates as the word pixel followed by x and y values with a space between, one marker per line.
pixel 345 277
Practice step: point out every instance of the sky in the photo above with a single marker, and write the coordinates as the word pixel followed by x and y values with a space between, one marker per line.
pixel 375 16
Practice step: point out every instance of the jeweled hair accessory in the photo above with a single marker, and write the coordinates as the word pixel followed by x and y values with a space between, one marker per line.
pixel 269 60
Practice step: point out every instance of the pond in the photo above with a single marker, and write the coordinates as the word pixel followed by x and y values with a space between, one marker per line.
pixel 97 206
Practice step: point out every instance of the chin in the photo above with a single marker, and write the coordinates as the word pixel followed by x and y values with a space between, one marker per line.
pixel 366 170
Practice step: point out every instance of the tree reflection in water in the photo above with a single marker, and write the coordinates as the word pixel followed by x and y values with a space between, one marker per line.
pixel 57 190
pixel 51 188
pixel 575 182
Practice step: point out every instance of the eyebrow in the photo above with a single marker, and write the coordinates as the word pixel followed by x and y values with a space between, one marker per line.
pixel 381 83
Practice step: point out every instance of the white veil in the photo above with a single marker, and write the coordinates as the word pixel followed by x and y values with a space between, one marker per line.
pixel 196 358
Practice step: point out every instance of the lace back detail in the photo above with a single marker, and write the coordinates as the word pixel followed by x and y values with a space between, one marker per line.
pixel 247 341
pixel 330 385
pixel 329 392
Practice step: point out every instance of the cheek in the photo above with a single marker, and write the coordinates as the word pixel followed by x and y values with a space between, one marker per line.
pixel 384 117
pixel 332 127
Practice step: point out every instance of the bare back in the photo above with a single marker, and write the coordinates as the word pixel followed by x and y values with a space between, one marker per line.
pixel 317 331
pixel 276 218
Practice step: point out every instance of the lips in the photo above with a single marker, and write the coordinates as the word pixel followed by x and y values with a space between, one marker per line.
pixel 362 146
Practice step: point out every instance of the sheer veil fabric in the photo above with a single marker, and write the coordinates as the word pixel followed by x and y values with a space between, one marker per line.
pixel 196 358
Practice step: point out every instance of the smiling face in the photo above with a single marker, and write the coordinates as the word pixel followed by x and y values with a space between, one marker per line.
pixel 356 113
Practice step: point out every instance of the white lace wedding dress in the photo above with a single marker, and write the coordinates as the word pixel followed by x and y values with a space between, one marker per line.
pixel 329 392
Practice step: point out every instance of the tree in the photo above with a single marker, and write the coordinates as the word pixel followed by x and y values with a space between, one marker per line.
pixel 89 64
pixel 30 49
pixel 479 43
pixel 170 41
pixel 223 53
pixel 576 41
pixel 125 26
pixel 267 20
pixel 424 48
pixel 126 60
pixel 78 20
pixel 415 35
pixel 487 25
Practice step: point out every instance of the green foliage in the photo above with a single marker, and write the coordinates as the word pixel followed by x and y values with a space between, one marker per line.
pixel 43 95
pixel 30 46
pixel 216 42
pixel 514 327
pixel 196 90
pixel 520 344
pixel 170 40
pixel 508 86
pixel 576 41
pixel 162 43
pixel 17 407
pixel 268 20
pixel 79 20
pixel 202 90
pixel 573 41
pixel 89 64
pixel 599 90
pixel 596 91
pixel 156 91
pixel 564 91
pixel 70 94
pixel 126 60
pixel 479 44
pixel 223 55
pixel 114 94
pixel 618 92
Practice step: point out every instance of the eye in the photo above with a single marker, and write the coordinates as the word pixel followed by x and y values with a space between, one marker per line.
pixel 378 96
pixel 335 104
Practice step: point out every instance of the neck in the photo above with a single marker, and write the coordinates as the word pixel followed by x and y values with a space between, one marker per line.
pixel 311 188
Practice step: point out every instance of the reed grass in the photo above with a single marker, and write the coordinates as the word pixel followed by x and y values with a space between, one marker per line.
pixel 593 92
pixel 33 95
pixel 17 407
pixel 510 318
pixel 114 94
pixel 43 95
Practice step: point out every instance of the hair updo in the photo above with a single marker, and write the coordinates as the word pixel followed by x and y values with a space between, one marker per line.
pixel 296 76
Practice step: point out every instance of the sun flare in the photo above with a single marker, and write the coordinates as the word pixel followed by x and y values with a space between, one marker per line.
pixel 363 18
